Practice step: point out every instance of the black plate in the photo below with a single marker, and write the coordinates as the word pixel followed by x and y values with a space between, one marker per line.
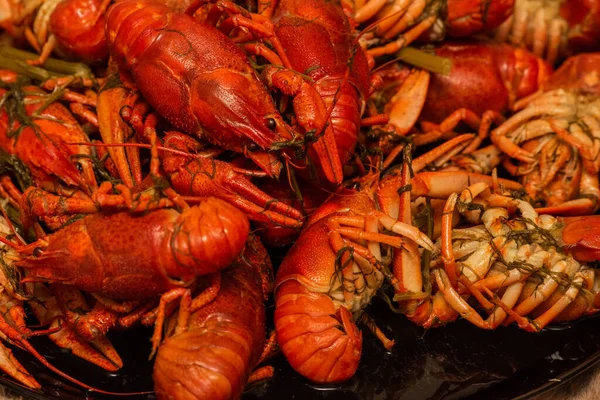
pixel 459 361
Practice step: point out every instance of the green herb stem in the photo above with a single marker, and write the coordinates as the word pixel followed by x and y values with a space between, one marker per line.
pixel 54 67
pixel 425 60
pixel 22 68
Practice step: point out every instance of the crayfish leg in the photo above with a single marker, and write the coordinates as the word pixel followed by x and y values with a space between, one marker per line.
pixel 187 306
pixel 404 39
pixel 45 53
pixel 372 326
pixel 405 106
pixel 99 351
pixel 261 374
pixel 114 130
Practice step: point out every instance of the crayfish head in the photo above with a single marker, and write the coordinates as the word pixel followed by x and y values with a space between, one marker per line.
pixel 581 237
pixel 239 114
pixel 207 238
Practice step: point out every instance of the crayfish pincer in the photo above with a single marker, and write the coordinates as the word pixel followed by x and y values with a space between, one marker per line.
pixel 196 78
pixel 126 256
pixel 318 41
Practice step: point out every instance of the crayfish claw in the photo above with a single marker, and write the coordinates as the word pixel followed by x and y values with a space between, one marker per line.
pixel 11 366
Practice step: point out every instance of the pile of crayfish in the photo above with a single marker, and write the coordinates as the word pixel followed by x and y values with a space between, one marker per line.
pixel 444 154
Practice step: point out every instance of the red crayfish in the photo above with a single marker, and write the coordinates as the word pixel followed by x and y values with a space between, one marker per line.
pixel 74 29
pixel 485 81
pixel 218 96
pixel 318 41
pixel 212 354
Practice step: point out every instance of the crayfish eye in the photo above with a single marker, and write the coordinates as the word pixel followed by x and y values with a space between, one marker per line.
pixel 252 147
pixel 271 123
pixel 79 166
pixel 37 252
pixel 354 185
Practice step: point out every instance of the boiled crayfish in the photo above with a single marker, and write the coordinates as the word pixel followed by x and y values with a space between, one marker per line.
pixel 73 29
pixel 392 25
pixel 334 268
pixel 527 264
pixel 170 56
pixel 125 256
pixel 35 128
pixel 484 82
pixel 554 140
pixel 212 354
pixel 318 41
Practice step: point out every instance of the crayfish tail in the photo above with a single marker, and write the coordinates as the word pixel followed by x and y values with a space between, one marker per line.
pixel 320 342
pixel 222 343
pixel 214 361
pixel 581 237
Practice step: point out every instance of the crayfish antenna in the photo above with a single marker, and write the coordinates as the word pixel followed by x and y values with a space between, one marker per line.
pixel 18 338
pixel 13 230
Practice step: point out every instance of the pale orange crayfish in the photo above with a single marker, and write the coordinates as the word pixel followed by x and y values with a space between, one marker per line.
pixel 414 293
pixel 527 264
pixel 553 142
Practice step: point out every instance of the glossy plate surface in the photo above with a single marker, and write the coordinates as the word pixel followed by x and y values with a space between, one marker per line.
pixel 459 361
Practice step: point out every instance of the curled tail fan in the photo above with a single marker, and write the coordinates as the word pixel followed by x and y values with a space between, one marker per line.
pixel 213 361
pixel 581 237
pixel 320 342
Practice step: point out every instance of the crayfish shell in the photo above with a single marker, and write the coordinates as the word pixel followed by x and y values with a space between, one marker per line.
pixel 224 339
